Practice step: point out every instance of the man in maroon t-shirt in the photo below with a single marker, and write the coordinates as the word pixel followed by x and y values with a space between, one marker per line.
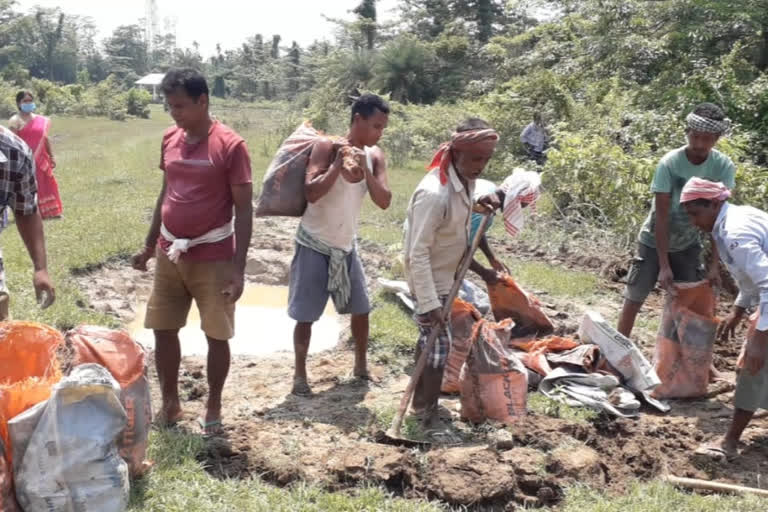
pixel 201 251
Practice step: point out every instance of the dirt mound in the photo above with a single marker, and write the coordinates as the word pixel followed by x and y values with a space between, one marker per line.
pixel 329 440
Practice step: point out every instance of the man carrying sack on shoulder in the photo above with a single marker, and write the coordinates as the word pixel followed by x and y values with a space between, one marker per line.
pixel 326 262
pixel 740 235
pixel 201 250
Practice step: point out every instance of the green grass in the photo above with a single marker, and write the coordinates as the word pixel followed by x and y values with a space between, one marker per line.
pixel 657 497
pixel 392 331
pixel 542 404
pixel 178 482
pixel 554 280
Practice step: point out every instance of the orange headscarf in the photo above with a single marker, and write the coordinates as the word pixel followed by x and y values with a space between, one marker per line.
pixel 461 141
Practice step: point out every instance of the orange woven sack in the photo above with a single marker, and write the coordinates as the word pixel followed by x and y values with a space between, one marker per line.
pixel 508 300
pixel 494 383
pixel 686 342
pixel 535 356
pixel 124 358
pixel 463 318
pixel 29 369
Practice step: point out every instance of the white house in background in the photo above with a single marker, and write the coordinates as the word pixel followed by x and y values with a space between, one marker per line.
pixel 152 80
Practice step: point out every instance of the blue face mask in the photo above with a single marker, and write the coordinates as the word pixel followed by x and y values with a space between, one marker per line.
pixel 28 108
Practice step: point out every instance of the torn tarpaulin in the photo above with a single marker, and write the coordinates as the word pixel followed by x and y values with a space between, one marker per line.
pixel 595 390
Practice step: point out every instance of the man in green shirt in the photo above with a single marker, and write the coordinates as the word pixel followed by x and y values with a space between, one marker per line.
pixel 669 247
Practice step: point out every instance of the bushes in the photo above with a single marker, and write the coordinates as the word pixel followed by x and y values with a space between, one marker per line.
pixel 103 99
pixel 137 103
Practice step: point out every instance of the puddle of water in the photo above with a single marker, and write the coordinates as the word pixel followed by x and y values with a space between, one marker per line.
pixel 262 326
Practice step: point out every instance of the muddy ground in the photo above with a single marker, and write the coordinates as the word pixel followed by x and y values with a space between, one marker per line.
pixel 330 439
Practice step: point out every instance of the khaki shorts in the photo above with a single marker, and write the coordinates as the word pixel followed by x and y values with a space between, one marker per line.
pixel 177 284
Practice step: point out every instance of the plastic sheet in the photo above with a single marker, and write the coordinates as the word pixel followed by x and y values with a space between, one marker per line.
pixel 71 462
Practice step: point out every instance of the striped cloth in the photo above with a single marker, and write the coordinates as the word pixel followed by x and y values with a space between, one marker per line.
pixel 698 188
pixel 521 188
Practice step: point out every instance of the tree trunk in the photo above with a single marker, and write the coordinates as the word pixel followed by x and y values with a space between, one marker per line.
pixel 762 58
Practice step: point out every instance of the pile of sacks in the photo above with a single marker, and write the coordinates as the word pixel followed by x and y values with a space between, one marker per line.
pixel 71 442
pixel 493 363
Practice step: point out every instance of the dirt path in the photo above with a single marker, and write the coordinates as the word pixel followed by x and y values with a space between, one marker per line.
pixel 330 438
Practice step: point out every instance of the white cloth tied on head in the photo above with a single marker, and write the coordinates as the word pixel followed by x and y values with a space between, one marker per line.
pixel 522 187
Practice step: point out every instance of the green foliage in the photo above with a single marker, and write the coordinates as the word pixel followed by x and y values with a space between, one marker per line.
pixel 7 100
pixel 402 70
pixel 137 103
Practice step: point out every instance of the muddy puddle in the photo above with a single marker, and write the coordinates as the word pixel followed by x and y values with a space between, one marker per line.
pixel 262 326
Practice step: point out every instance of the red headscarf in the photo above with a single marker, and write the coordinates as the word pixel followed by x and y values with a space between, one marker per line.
pixel 462 141
pixel 698 188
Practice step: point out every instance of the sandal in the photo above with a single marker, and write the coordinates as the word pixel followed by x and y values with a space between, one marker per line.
pixel 210 428
pixel 716 453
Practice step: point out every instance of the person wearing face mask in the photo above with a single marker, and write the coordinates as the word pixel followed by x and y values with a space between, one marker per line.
pixel 436 237
pixel 33 129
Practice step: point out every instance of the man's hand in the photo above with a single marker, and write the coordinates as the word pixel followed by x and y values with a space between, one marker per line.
pixel 44 291
pixel 498 266
pixel 488 275
pixel 487 204
pixel 436 317
pixel 727 327
pixel 139 260
pixel 667 279
pixel 756 351
pixel 234 288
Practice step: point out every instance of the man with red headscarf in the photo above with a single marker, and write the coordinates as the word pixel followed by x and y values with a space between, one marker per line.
pixel 740 234
pixel 436 237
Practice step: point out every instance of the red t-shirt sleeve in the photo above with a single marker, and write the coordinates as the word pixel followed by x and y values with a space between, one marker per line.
pixel 239 165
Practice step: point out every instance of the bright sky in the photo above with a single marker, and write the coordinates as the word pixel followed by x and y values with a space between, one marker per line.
pixel 228 22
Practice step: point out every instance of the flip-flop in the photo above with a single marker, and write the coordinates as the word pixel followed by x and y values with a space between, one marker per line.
pixel 716 453
pixel 207 425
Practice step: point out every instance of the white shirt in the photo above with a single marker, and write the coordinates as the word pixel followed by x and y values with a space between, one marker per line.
pixel 534 135
pixel 436 234
pixel 741 235
pixel 333 218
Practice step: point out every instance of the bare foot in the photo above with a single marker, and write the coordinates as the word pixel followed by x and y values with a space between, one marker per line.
pixel 364 374
pixel 301 387
pixel 170 414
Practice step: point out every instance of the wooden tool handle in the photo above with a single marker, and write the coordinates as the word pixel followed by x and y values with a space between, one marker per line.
pixel 397 421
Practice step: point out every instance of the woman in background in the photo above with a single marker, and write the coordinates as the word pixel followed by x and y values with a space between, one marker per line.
pixel 33 129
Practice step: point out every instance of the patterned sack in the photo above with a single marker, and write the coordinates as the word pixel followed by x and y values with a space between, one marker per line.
pixel 686 342
pixel 494 383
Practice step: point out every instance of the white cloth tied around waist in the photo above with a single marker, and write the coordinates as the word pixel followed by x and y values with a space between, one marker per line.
pixel 182 245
